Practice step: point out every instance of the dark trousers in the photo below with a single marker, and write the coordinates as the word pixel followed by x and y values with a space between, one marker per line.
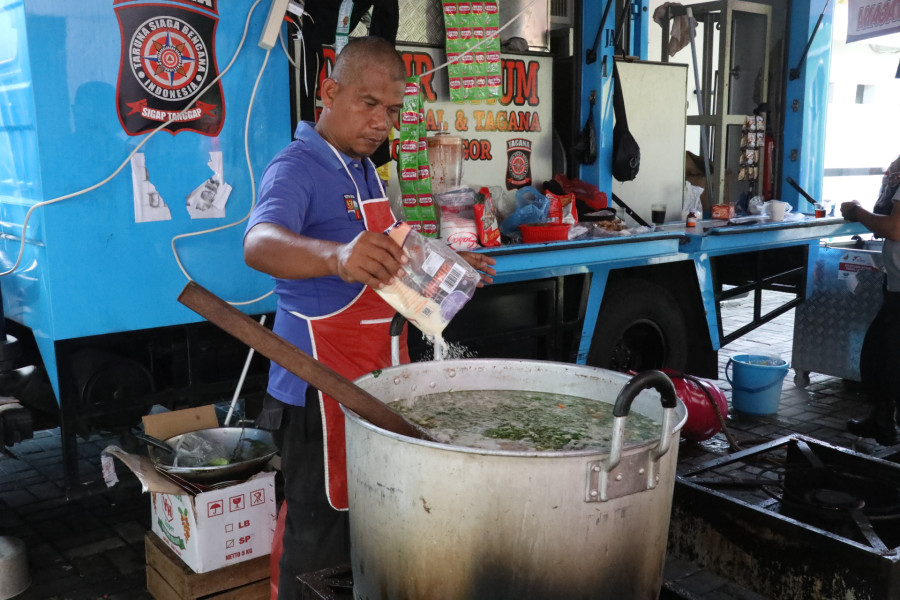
pixel 315 535
pixel 879 362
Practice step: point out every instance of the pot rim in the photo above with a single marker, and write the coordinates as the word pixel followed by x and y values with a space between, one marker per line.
pixel 627 449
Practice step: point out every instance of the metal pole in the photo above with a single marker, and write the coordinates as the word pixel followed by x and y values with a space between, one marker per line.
pixel 704 140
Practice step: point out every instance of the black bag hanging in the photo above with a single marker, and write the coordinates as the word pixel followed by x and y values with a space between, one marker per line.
pixel 586 148
pixel 626 160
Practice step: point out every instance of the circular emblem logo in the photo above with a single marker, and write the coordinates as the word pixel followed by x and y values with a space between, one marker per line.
pixel 169 61
pixel 518 164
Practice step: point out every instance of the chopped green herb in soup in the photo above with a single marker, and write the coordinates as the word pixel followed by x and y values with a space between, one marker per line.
pixel 521 420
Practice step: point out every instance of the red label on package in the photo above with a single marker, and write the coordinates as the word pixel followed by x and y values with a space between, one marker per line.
pixel 491 8
pixel 412 89
pixel 492 56
pixel 468 82
pixel 468 58
pixel 450 9
pixel 453 33
pixel 478 8
pixel 410 117
pixel 425 200
pixel 429 227
pixel 409 174
pixel 465 8
pixel 494 80
pixel 455 83
pixel 409 146
pixel 409 200
pixel 424 172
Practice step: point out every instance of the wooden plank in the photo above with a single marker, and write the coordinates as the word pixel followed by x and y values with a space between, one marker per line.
pixel 186 584
pixel 159 587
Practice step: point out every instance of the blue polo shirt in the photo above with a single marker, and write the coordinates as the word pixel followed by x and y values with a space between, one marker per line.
pixel 306 189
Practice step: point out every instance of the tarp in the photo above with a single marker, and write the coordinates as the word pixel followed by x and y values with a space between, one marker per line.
pixel 872 18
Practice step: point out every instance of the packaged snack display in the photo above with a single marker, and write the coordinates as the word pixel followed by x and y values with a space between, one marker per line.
pixel 412 163
pixel 473 49
pixel 485 220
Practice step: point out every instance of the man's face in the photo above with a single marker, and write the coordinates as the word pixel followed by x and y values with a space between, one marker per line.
pixel 363 111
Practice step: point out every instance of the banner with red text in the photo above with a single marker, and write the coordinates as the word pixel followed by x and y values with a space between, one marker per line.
pixel 872 18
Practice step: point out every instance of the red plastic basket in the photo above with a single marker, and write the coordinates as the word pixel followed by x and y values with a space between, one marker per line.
pixel 544 232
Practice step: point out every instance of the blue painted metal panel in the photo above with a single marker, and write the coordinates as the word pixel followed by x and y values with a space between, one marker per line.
pixel 804 129
pixel 88 267
pixel 539 261
pixel 721 240
pixel 598 77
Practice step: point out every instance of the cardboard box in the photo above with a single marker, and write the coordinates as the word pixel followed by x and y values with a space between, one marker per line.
pixel 212 529
pixel 220 527
pixel 723 211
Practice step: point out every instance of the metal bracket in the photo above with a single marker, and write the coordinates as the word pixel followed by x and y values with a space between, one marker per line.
pixel 635 473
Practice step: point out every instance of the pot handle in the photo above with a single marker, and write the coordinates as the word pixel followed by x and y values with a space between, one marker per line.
pixel 640 382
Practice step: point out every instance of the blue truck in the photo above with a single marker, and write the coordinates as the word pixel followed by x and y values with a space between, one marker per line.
pixel 132 135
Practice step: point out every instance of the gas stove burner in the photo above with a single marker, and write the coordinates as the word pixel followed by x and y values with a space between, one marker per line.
pixel 835 499
pixel 803 518
pixel 828 490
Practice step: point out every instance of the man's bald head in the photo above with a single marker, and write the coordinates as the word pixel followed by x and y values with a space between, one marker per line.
pixel 359 53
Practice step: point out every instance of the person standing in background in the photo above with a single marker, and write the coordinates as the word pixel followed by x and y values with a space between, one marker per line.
pixel 879 362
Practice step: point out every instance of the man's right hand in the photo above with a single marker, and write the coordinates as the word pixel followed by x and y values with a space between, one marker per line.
pixel 371 258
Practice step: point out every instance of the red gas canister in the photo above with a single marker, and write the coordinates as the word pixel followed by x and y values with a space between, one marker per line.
pixel 699 395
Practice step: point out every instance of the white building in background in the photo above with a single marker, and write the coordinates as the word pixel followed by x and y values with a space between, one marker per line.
pixel 863 129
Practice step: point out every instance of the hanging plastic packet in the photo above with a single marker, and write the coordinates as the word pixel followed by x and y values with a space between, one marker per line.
pixel 408 154
pixel 436 283
pixel 455 48
pixel 492 65
pixel 342 34
pixel 424 196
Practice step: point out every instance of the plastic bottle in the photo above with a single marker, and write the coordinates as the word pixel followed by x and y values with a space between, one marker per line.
pixel 437 282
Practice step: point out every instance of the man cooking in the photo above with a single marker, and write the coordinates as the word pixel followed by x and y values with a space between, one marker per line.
pixel 317 231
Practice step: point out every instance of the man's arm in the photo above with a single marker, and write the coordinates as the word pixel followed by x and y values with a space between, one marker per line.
pixel 371 258
pixel 885 226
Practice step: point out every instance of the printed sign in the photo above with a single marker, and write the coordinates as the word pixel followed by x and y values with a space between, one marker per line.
pixel 168 57
pixel 872 18
pixel 518 163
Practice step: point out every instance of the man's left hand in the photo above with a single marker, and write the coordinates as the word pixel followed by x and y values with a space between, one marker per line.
pixel 483 264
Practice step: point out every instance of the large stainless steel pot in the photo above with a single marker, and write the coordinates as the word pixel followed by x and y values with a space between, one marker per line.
pixel 430 520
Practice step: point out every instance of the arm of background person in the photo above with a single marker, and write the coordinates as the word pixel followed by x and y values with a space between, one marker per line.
pixel 885 226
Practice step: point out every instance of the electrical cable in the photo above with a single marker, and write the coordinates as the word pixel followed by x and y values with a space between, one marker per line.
pixel 252 191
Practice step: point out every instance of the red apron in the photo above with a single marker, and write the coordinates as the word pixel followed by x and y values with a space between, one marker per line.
pixel 353 341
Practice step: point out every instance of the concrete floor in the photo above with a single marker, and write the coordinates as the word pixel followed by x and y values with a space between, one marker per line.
pixel 92 548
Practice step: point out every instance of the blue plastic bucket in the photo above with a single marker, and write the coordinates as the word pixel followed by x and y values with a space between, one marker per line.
pixel 756 387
